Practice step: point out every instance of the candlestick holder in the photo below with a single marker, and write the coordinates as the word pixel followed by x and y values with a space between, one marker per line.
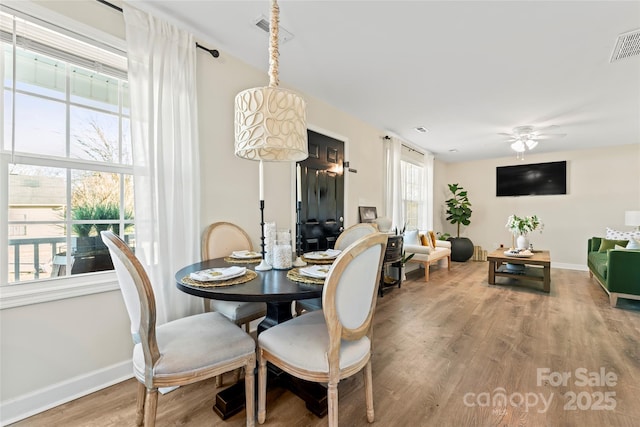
pixel 298 262
pixel 264 265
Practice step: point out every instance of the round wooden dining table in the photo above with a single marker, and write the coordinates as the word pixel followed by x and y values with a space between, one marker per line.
pixel 272 287
pixel 278 292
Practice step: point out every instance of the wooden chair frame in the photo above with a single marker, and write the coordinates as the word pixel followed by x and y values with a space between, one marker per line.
pixel 337 332
pixel 147 396
pixel 208 253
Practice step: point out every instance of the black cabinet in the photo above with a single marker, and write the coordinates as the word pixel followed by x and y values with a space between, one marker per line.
pixel 392 258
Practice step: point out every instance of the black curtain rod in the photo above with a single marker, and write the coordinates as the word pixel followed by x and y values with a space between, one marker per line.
pixel 387 137
pixel 213 52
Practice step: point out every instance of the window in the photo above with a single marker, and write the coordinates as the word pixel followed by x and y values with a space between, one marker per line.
pixel 412 194
pixel 65 156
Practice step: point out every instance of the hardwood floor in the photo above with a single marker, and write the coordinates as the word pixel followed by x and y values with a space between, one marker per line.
pixel 444 353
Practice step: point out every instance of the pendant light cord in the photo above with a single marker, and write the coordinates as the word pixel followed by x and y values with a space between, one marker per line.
pixel 273 45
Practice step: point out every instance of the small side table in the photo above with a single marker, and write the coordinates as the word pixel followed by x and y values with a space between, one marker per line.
pixel 392 258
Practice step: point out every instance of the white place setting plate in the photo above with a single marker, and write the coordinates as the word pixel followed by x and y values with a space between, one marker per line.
pixel 328 254
pixel 315 271
pixel 244 254
pixel 217 274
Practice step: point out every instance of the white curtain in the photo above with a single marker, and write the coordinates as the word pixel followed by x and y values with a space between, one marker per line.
pixel 162 80
pixel 393 187
pixel 428 187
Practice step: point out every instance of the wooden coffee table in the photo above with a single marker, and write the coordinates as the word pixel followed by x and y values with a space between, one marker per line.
pixel 536 267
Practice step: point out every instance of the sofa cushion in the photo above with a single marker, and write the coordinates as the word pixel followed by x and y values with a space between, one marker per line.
pixel 607 244
pixel 417 249
pixel 433 238
pixel 633 244
pixel 425 241
pixel 599 262
pixel 411 238
pixel 443 244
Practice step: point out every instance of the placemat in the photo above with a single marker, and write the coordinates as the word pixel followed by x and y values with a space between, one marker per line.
pixel 232 260
pixel 318 261
pixel 294 274
pixel 247 277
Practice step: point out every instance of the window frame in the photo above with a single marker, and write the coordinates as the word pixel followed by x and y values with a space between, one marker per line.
pixel 409 156
pixel 51 289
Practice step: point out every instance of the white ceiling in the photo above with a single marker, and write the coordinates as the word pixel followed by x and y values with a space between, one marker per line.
pixel 464 70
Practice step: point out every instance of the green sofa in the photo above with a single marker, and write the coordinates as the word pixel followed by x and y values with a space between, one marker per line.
pixel 617 270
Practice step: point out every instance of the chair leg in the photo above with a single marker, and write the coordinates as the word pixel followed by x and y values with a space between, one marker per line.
pixel 332 404
pixel 449 263
pixel 249 390
pixel 368 390
pixel 219 381
pixel 426 271
pixel 262 388
pixel 142 391
pixel 150 407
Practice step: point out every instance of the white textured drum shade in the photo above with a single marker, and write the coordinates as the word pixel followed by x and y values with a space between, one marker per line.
pixel 270 125
pixel 632 218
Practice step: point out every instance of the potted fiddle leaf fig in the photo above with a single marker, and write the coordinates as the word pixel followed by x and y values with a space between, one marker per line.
pixel 459 213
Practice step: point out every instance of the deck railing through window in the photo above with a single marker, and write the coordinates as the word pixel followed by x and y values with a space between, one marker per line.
pixel 44 257
pixel 33 264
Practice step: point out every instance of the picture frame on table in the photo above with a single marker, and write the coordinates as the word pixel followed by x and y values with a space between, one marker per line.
pixel 368 213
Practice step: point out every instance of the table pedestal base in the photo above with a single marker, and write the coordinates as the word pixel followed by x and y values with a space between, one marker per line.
pixel 230 401
pixel 277 312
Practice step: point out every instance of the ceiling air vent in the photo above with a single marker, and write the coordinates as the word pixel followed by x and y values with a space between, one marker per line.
pixel 262 23
pixel 627 45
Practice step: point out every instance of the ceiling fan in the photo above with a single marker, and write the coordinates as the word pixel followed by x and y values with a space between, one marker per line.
pixel 525 138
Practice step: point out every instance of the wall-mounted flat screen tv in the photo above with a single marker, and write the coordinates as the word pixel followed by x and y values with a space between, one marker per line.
pixel 532 180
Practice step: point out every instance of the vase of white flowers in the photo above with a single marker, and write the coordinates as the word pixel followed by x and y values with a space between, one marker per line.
pixel 521 227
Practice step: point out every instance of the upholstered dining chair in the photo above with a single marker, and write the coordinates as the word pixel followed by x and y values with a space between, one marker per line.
pixel 333 343
pixel 219 240
pixel 347 237
pixel 179 352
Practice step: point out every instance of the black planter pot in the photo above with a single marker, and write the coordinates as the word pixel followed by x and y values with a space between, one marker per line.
pixel 461 249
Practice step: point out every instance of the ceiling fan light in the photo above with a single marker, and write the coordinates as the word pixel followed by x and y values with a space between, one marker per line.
pixel 518 146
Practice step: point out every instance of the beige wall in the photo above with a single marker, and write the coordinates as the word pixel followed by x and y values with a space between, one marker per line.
pixel 45 344
pixel 601 185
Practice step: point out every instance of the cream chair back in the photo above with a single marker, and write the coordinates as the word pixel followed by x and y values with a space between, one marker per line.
pixel 346 238
pixel 349 293
pixel 129 293
pixel 222 238
pixel 353 233
pixel 138 295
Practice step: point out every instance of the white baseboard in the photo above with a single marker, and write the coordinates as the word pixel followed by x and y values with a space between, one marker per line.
pixel 579 267
pixel 24 406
